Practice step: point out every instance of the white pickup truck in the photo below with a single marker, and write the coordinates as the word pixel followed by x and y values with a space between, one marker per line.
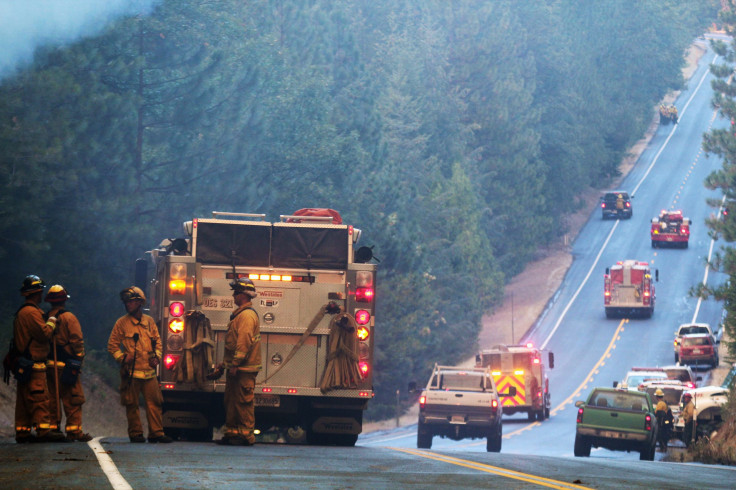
pixel 460 403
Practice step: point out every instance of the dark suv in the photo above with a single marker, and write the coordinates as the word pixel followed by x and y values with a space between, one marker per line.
pixel 616 204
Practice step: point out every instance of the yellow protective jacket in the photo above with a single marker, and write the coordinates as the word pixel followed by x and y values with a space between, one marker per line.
pixel 68 338
pixel 31 333
pixel 688 412
pixel 243 340
pixel 661 407
pixel 122 342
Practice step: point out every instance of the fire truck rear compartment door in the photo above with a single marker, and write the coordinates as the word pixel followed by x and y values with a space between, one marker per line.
pixel 305 367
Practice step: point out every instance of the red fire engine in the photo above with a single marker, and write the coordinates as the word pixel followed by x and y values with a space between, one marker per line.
pixel 628 289
pixel 670 228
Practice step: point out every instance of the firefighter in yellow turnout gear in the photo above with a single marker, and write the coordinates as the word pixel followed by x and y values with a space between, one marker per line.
pixel 135 343
pixel 65 383
pixel 31 336
pixel 242 361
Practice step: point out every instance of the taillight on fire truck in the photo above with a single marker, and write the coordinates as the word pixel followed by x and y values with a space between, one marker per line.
pixel 170 361
pixel 177 286
pixel 364 295
pixel 364 368
pixel 176 325
pixel 362 317
pixel 363 333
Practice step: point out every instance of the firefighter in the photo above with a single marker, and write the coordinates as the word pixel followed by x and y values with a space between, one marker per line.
pixel 242 361
pixel 31 336
pixel 664 419
pixel 63 368
pixel 135 343
pixel 688 415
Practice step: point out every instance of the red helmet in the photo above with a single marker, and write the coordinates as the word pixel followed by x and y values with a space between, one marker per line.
pixel 57 294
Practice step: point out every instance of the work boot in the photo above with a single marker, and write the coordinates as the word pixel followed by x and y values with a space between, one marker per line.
pixel 239 441
pixel 51 436
pixel 164 439
pixel 138 438
pixel 225 441
pixel 25 439
pixel 78 436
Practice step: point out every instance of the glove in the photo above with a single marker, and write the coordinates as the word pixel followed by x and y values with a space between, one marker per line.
pixel 153 362
pixel 215 373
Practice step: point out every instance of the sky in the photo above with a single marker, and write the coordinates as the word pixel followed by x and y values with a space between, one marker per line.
pixel 28 24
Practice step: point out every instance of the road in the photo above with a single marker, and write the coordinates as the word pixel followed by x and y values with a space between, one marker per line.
pixel 590 350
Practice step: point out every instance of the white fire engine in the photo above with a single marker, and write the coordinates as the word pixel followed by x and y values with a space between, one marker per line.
pixel 316 304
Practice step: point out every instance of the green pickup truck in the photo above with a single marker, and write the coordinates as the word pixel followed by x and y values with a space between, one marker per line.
pixel 616 419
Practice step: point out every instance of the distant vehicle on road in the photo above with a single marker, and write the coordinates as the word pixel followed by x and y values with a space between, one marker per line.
pixel 628 289
pixel 616 204
pixel 670 228
pixel 690 328
pixel 698 349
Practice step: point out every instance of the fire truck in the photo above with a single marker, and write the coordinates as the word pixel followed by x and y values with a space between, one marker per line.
pixel 628 289
pixel 670 228
pixel 521 367
pixel 316 304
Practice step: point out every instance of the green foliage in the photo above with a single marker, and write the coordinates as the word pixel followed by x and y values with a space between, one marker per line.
pixel 450 132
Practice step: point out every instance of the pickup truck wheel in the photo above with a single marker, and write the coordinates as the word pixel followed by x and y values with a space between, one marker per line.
pixel 493 442
pixel 648 453
pixel 582 446
pixel 424 438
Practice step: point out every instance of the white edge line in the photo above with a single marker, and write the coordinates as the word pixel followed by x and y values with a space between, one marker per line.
pixel 108 466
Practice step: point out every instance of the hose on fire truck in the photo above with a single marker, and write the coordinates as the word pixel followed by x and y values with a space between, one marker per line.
pixel 198 349
pixel 342 370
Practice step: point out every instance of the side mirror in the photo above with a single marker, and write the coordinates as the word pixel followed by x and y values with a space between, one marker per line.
pixel 363 255
pixel 608 271
pixel 412 387
pixel 656 275
pixel 551 360
pixel 478 360
pixel 615 384
pixel 512 391
pixel 699 378
pixel 579 403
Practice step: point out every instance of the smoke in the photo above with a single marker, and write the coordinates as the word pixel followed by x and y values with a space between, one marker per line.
pixel 27 24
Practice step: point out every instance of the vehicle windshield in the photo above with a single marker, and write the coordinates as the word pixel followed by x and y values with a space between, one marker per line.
pixel 679 374
pixel 695 341
pixel 671 394
pixel 462 381
pixel 624 400
pixel 633 380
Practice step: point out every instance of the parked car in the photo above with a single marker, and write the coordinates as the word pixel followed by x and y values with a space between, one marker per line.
pixel 637 376
pixel 691 328
pixel 678 372
pixel 698 349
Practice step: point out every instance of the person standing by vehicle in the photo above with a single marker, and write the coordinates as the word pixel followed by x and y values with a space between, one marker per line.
pixel 64 367
pixel 135 343
pixel 242 361
pixel 688 415
pixel 664 419
pixel 31 336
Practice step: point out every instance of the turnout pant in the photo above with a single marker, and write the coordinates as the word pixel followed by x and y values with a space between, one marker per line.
pixel 72 398
pixel 240 417
pixel 32 405
pixel 130 391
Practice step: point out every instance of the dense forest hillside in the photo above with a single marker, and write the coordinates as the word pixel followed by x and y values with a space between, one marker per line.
pixel 450 132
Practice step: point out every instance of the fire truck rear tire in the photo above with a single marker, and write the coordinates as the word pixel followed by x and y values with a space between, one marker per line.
pixel 654 244
pixel 531 415
pixel 546 412
pixel 540 415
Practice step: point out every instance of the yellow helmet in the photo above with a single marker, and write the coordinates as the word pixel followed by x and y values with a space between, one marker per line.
pixel 659 392
pixel 132 293
pixel 57 294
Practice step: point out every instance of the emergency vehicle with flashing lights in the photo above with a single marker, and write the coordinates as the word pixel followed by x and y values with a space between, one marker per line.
pixel 628 289
pixel 670 228
pixel 308 272
pixel 521 367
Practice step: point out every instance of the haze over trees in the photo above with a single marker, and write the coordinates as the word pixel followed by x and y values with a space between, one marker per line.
pixel 451 132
